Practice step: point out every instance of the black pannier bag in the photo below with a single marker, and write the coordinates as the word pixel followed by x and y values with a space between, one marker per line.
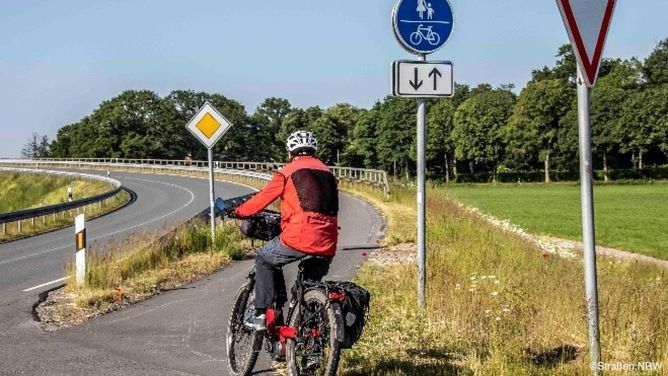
pixel 265 225
pixel 355 309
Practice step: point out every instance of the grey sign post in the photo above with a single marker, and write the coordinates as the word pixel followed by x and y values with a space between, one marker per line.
pixel 587 204
pixel 208 125
pixel 421 28
pixel 587 23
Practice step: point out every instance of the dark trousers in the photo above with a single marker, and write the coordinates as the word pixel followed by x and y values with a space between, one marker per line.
pixel 269 279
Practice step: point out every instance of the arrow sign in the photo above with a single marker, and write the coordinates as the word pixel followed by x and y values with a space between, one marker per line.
pixel 408 78
pixel 587 23
pixel 436 73
pixel 415 84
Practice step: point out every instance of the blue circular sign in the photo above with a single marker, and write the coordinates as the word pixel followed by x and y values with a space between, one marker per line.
pixel 422 26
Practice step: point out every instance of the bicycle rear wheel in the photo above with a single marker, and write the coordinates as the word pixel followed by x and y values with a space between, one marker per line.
pixel 243 345
pixel 315 350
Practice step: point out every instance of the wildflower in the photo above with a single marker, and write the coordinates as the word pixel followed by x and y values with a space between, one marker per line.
pixel 487 311
pixel 497 318
pixel 497 282
pixel 546 255
pixel 483 277
pixel 495 293
pixel 471 290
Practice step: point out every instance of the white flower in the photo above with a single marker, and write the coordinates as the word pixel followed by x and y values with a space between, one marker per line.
pixel 488 311
pixel 471 290
pixel 495 293
pixel 497 318
pixel 497 282
pixel 483 277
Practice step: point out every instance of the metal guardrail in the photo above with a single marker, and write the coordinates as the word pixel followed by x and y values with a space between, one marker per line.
pixel 43 211
pixel 370 176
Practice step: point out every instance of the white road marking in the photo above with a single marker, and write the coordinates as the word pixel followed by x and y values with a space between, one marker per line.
pixel 46 284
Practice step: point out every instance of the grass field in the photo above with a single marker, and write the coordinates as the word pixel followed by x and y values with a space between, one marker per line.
pixel 628 217
pixel 22 191
pixel 496 305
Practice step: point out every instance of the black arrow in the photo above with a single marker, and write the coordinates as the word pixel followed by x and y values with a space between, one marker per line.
pixel 435 72
pixel 415 84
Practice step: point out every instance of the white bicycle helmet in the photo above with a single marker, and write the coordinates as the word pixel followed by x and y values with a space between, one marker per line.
pixel 301 139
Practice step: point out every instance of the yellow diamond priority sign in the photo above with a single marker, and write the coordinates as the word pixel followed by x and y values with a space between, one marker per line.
pixel 208 125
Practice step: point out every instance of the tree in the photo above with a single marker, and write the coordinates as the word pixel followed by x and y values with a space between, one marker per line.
pixel 606 97
pixel 477 127
pixel 533 129
pixel 36 147
pixel 337 139
pixel 396 133
pixel 440 144
pixel 269 118
pixel 362 150
pixel 644 122
pixel 60 147
pixel 655 69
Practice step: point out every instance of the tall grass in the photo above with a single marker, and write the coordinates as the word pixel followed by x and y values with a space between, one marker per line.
pixel 145 263
pixel 498 306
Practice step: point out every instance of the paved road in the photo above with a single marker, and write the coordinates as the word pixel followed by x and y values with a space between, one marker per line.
pixel 177 332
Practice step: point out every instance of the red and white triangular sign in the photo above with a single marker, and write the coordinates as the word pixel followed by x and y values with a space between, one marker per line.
pixel 587 23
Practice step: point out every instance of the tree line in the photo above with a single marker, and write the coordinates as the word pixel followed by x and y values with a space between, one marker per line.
pixel 480 129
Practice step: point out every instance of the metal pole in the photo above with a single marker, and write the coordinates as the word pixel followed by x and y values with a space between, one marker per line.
pixel 421 202
pixel 211 197
pixel 587 201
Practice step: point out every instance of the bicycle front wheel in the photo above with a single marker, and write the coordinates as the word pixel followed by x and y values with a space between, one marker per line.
pixel 315 350
pixel 243 345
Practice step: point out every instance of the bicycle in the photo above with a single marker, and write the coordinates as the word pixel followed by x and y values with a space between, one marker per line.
pixel 430 36
pixel 315 331
pixel 311 339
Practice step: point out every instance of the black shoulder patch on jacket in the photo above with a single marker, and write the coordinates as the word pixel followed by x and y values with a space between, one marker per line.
pixel 317 191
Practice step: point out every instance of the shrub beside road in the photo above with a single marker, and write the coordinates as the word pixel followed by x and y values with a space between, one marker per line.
pixel 628 216
pixel 496 305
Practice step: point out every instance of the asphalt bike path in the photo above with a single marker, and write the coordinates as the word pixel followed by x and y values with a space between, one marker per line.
pixel 177 332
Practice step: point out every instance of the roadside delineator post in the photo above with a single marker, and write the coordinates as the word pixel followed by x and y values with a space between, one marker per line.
pixel 80 244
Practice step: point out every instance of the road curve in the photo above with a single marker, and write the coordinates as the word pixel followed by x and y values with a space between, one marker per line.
pixel 175 333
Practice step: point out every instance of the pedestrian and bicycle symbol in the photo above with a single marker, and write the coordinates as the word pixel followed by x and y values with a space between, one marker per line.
pixel 422 26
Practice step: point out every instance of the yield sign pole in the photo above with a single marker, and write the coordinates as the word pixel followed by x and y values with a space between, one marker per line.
pixel 587 205
pixel 587 23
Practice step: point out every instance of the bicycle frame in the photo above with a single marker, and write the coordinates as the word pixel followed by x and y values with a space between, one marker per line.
pixel 285 332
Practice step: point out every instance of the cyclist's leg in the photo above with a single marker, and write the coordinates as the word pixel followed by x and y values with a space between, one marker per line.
pixel 270 282
pixel 316 268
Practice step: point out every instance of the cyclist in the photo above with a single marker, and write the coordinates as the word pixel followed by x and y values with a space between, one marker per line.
pixel 309 208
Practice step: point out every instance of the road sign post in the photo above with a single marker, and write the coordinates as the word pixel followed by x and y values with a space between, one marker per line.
pixel 208 125
pixel 422 27
pixel 587 23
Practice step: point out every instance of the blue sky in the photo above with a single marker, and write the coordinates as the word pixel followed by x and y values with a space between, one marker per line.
pixel 59 60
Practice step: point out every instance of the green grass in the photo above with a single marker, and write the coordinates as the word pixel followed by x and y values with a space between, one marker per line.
pixel 628 217
pixel 22 191
pixel 496 305
pixel 145 263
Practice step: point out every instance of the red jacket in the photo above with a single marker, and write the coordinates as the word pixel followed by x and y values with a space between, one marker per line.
pixel 309 205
